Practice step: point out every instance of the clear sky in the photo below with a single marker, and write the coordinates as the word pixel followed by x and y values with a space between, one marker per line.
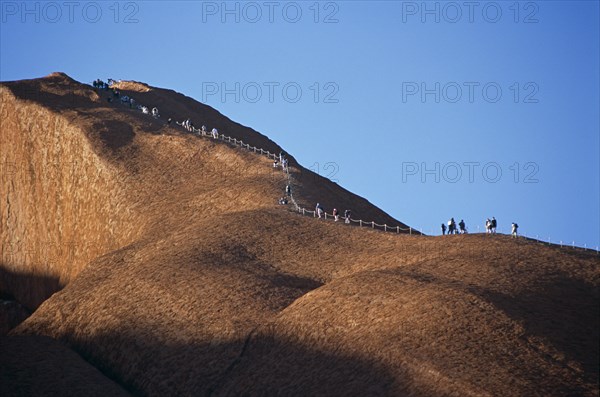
pixel 430 110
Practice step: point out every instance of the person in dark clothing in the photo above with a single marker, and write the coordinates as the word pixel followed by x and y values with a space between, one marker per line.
pixel 451 226
pixel 443 229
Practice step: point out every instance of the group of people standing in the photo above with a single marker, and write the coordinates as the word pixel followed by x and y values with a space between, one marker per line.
pixel 98 83
pixel 124 99
pixel 101 85
pixel 283 161
pixel 490 227
pixel 188 125
pixel 462 228
pixel 320 211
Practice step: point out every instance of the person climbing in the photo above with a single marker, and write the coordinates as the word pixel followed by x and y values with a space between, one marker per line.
pixel 319 210
pixel 288 190
pixel 336 216
pixel 155 113
pixel 514 229
pixel 494 224
pixel 461 227
pixel 203 128
pixel 347 215
pixel 275 163
pixel 443 229
pixel 215 133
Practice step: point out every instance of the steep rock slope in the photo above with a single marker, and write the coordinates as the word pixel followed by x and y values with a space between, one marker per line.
pixel 213 289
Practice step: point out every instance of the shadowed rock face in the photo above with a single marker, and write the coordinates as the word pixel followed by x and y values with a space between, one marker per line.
pixel 41 366
pixel 12 313
pixel 184 276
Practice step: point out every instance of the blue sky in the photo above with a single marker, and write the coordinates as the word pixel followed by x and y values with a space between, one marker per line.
pixel 430 110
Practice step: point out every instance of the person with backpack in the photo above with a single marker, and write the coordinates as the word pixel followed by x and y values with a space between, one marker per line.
pixel 514 229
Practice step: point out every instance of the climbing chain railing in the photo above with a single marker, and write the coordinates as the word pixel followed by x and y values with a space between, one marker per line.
pixel 559 243
pixel 290 182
